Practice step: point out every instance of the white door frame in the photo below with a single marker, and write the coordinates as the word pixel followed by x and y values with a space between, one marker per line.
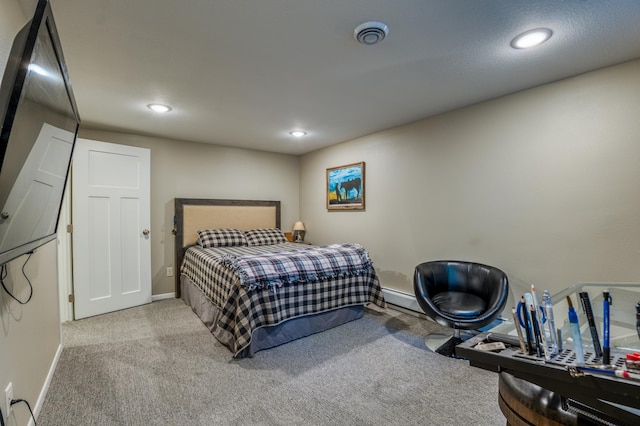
pixel 65 257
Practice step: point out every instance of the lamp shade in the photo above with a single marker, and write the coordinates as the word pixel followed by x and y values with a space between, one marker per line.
pixel 298 232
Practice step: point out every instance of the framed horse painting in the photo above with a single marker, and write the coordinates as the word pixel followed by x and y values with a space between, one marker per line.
pixel 345 187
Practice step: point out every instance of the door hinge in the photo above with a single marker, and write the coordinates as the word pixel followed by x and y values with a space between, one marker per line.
pixel 70 228
pixel 72 298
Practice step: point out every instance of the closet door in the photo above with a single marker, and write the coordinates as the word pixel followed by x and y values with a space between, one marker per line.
pixel 111 222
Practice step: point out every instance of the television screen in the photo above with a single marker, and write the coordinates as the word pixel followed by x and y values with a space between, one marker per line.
pixel 39 127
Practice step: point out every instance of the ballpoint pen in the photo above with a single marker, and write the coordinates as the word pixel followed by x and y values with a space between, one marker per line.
pixel 525 318
pixel 523 347
pixel 529 301
pixel 536 331
pixel 574 327
pixel 543 337
pixel 606 352
pixel 548 313
pixel 618 372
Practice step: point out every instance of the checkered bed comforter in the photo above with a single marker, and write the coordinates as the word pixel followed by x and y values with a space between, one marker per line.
pixel 246 308
pixel 273 270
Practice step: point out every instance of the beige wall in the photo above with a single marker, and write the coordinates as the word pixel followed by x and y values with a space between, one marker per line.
pixel 29 334
pixel 12 18
pixel 543 184
pixel 194 170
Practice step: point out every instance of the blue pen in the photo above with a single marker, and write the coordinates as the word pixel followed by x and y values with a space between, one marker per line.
pixel 574 327
pixel 606 352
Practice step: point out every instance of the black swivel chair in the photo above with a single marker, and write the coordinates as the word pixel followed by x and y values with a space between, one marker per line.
pixel 460 295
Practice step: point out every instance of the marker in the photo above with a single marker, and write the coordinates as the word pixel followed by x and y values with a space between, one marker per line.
pixel 586 306
pixel 606 351
pixel 574 327
pixel 627 375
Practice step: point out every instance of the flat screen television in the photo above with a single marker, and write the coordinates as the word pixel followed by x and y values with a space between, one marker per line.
pixel 40 122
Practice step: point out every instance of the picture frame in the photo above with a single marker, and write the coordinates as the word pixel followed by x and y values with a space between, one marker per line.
pixel 346 187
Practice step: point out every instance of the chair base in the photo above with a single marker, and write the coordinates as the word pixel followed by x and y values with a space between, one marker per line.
pixel 445 344
pixel 448 348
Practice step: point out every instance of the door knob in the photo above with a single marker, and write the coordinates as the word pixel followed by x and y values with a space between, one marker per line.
pixel 145 232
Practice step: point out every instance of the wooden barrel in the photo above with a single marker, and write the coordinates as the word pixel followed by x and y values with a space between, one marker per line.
pixel 525 404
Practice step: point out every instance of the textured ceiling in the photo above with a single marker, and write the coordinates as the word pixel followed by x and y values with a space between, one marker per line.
pixel 245 72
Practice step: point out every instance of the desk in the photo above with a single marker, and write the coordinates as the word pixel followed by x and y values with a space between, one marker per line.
pixel 615 397
pixel 595 391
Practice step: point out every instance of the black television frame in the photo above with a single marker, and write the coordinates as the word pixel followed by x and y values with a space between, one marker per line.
pixel 11 92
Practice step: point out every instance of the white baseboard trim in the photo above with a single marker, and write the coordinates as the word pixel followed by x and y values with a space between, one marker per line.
pixel 45 387
pixel 156 297
pixel 404 300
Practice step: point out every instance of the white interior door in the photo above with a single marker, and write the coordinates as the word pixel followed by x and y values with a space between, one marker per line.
pixel 111 221
pixel 42 178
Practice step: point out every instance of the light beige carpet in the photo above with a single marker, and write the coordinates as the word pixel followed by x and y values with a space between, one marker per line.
pixel 158 365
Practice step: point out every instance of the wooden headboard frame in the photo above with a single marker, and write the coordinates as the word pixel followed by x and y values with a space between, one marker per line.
pixel 194 214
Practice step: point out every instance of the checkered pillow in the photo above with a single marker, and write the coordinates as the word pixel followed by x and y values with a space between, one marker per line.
pixel 229 237
pixel 264 236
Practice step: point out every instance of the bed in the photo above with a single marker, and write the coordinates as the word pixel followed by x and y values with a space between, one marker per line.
pixel 252 288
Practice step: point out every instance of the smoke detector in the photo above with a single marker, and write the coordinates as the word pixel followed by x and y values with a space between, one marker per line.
pixel 371 32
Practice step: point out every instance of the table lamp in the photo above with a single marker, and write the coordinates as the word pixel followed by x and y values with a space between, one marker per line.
pixel 298 232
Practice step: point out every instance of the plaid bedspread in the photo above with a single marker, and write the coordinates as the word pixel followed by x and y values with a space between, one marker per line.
pixel 272 270
pixel 244 310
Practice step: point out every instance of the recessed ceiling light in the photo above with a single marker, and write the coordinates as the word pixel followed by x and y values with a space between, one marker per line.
pixel 531 38
pixel 159 108
pixel 298 133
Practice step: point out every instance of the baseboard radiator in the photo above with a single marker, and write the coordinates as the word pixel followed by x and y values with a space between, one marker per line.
pixel 404 300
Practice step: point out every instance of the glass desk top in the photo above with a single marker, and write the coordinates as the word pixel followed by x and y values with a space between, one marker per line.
pixel 622 314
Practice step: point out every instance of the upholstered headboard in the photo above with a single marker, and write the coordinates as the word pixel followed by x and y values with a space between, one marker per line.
pixel 194 214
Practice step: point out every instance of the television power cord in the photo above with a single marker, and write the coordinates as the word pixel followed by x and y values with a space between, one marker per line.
pixel 17 401
pixel 3 276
